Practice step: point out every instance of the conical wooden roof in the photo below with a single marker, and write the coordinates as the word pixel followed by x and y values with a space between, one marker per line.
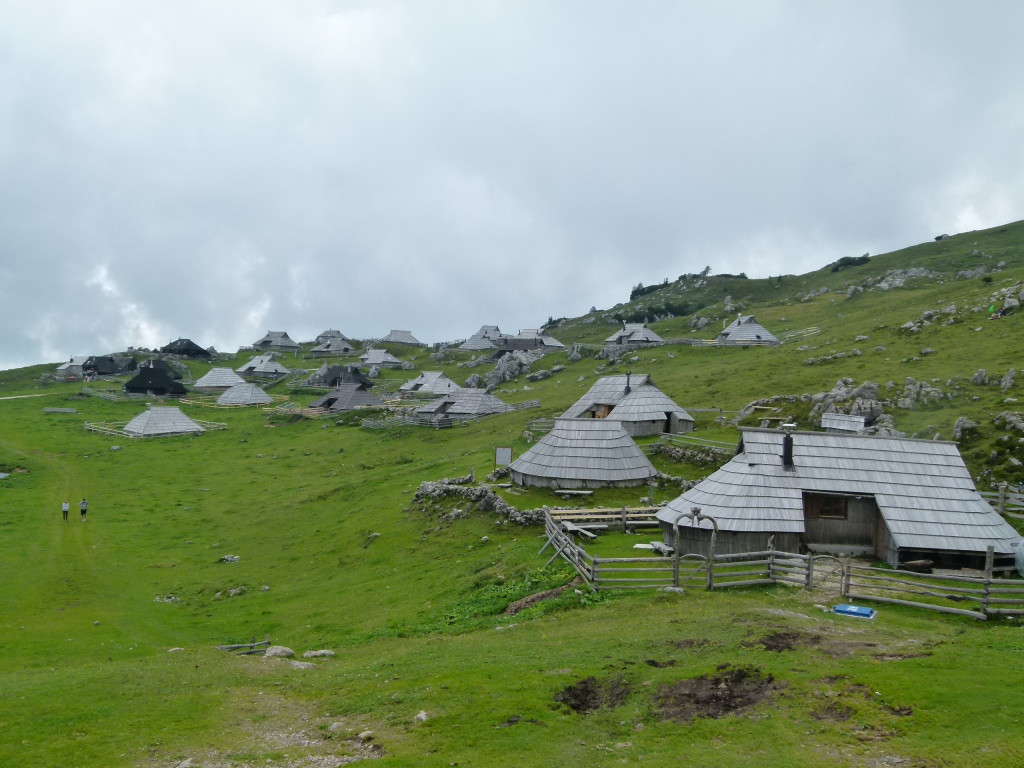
pixel 161 420
pixel 589 453
pixel 244 394
pixel 219 378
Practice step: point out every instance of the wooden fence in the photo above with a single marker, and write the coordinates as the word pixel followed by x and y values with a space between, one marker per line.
pixel 116 428
pixel 987 593
pixel 691 441
pixel 439 421
pixel 1005 500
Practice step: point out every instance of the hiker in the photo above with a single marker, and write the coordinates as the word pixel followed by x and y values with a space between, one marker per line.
pixel 84 507
pixel 64 507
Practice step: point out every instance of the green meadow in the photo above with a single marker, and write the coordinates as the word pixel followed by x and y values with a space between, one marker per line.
pixel 109 628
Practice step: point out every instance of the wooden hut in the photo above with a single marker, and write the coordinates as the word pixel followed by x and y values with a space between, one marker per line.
pixel 245 393
pixel 634 401
pixel 583 453
pixel 277 341
pixel 634 335
pixel 348 397
pixel 746 331
pixel 430 382
pixel 218 380
pixel 161 421
pixel 897 499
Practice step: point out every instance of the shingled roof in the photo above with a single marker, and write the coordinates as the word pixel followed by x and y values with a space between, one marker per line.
pixel 161 420
pixel 244 394
pixel 277 340
pixel 922 489
pixel 632 399
pixel 746 330
pixel 218 378
pixel 403 337
pixel 380 357
pixel 583 453
pixel 485 338
pixel 347 397
pixel 431 382
pixel 635 334
pixel 465 402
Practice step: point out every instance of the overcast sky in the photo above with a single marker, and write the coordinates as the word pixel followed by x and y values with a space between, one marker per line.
pixel 215 170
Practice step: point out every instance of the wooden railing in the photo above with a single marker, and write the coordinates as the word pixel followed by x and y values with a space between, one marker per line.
pixel 717 446
pixel 990 592
pixel 1005 500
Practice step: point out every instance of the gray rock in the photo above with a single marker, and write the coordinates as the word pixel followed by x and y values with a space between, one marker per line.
pixel 229 559
pixel 279 652
pixel 421 717
pixel 980 377
pixel 963 426
pixel 321 654
pixel 301 665
pixel 1007 380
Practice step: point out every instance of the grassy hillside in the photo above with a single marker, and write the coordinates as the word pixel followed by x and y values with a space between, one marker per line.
pixel 109 628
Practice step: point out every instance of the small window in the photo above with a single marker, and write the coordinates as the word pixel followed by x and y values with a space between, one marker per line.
pixel 825 507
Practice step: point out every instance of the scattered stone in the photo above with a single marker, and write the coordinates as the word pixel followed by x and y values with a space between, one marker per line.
pixel 318 654
pixel 115 447
pixel 365 736
pixel 301 665
pixel 175 649
pixel 980 377
pixel 1007 380
pixel 927 351
pixel 421 717
pixel 963 426
pixel 279 651
pixel 236 591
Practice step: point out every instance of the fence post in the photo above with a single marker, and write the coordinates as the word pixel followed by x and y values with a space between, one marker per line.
pixel 624 520
pixel 675 557
pixel 810 572
pixel 989 565
pixel 771 557
pixel 844 580
pixel 1002 499
pixel 711 561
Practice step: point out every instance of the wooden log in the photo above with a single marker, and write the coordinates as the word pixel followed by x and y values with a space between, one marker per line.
pixel 751 583
pixel 918 578
pixel 787 580
pixel 925 592
pixel 929 606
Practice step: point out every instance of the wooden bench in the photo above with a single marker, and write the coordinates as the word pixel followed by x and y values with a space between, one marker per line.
pixel 662 548
pixel 573 529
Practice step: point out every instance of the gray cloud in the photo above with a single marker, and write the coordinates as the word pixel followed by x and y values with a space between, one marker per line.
pixel 217 170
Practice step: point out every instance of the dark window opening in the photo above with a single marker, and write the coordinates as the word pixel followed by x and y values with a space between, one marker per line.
pixel 825 507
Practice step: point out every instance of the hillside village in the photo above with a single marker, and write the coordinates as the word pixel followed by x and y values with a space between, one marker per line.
pixel 866 413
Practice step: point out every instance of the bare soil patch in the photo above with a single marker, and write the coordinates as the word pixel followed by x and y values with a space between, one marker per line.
pixel 728 691
pixel 591 694
pixel 526 602
pixel 780 641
